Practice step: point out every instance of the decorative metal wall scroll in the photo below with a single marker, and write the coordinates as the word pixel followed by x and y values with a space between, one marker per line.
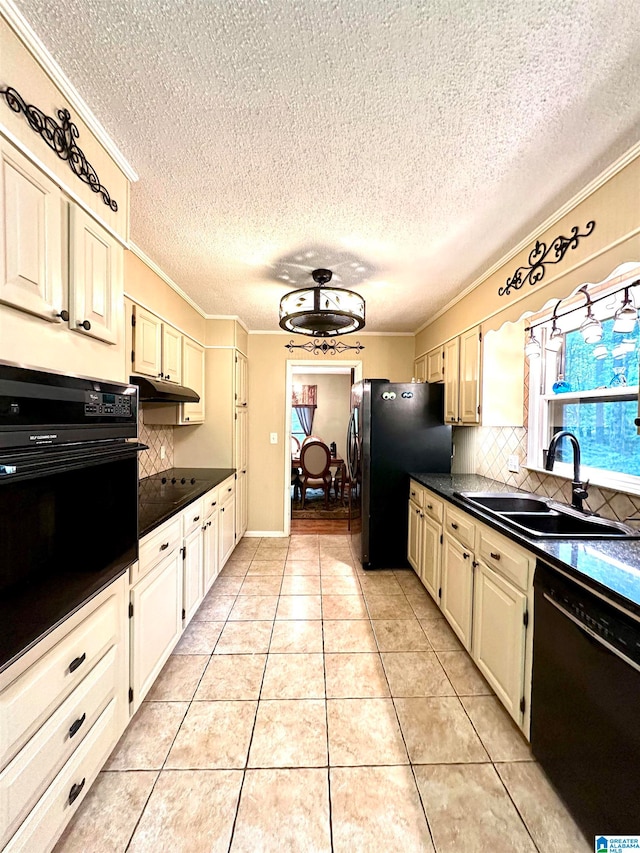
pixel 331 347
pixel 541 255
pixel 61 139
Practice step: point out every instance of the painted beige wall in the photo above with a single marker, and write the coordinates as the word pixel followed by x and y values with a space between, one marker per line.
pixel 333 406
pixel 389 357
pixel 144 286
pixel 19 69
pixel 614 207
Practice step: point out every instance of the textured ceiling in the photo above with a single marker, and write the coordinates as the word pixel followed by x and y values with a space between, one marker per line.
pixel 418 140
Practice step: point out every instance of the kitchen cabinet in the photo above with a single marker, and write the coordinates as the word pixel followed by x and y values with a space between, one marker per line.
pixel 241 379
pixel 157 347
pixel 420 369
pixel 171 354
pixel 227 526
pixel 462 378
pixel 425 537
pixel 241 464
pixel 155 606
pixel 414 550
pixel 457 587
pixel 192 377
pixel 192 559
pixel 210 539
pixel 63 707
pixel 435 365
pixel 59 264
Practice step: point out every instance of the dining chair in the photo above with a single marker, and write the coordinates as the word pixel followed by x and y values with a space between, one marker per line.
pixel 295 469
pixel 315 460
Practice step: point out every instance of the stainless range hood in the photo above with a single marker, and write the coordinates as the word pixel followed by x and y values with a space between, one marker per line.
pixel 157 391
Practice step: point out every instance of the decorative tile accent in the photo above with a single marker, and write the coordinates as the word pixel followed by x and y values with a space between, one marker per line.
pixel 155 437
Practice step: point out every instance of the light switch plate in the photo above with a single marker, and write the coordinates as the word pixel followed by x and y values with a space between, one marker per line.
pixel 163 451
pixel 513 464
pixel 273 437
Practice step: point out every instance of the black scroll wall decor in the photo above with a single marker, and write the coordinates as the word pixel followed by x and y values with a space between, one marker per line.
pixel 61 138
pixel 542 255
pixel 331 347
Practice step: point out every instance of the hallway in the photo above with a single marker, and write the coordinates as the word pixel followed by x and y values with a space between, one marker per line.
pixel 312 706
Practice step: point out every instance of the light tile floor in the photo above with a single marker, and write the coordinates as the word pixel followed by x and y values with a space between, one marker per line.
pixel 312 706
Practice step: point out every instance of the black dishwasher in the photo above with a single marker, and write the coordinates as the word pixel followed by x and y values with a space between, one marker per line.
pixel 585 711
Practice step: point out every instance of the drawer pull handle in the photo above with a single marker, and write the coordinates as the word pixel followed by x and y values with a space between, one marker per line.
pixel 76 662
pixel 85 324
pixel 73 729
pixel 213 503
pixel 417 512
pixel 209 524
pixel 475 564
pixel 454 525
pixel 494 555
pixel 429 506
pixel 74 793
pixel 465 555
pixel 413 494
pixel 197 518
pixel 164 546
pixel 230 489
pixel 204 527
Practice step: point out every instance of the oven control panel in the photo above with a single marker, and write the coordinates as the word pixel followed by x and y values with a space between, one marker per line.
pixel 99 404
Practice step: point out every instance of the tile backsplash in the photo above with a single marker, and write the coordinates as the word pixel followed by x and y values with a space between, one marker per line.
pixel 155 437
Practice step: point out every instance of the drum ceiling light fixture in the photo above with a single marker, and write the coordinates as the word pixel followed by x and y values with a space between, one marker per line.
pixel 322 311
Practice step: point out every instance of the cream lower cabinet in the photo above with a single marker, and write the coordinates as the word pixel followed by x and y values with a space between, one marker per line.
pixel 192 559
pixel 241 465
pixel 414 551
pixel 425 537
pixel 227 525
pixel 430 573
pixel 210 539
pixel 63 707
pixel 457 587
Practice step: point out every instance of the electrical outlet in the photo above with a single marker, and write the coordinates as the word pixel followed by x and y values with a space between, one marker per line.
pixel 163 451
pixel 273 437
pixel 513 464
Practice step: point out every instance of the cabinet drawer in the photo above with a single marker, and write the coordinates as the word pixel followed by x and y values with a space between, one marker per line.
pixel 57 806
pixel 433 506
pixel 211 502
pixel 227 490
pixel 416 493
pixel 34 695
pixel 192 517
pixel 460 525
pixel 29 773
pixel 156 546
pixel 504 556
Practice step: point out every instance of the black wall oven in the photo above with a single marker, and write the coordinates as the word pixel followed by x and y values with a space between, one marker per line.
pixel 68 497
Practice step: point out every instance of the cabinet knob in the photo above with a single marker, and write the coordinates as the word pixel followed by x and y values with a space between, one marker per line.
pixel 167 376
pixel 454 525
pixel 74 793
pixel 86 325
pixel 209 524
pixel 64 315
pixel 475 564
pixel 429 506
pixel 494 555
pixel 229 489
pixel 244 404
pixel 204 527
pixel 197 518
pixel 164 546
pixel 465 555
pixel 213 503
pixel 186 419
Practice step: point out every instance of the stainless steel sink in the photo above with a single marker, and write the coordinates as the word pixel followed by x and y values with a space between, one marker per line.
pixel 544 518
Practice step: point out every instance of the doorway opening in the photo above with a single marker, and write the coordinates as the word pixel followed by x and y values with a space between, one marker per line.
pixel 318 406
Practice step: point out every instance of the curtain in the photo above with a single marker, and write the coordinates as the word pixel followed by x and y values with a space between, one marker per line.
pixel 303 400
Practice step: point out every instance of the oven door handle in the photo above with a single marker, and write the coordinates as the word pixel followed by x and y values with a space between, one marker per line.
pixel 592 634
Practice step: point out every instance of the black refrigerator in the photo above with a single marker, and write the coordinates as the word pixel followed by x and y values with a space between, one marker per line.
pixel 394 429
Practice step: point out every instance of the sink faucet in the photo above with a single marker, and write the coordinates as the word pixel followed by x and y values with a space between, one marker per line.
pixel 578 488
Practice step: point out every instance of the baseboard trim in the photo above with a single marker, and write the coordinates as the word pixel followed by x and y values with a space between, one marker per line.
pixel 265 534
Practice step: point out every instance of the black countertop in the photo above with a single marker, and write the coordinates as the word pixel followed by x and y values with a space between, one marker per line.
pixel 610 566
pixel 159 498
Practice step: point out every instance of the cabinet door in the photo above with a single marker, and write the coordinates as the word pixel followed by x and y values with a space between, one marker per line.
pixel 457 588
pixel 171 354
pixel 242 504
pixel 95 278
pixel 430 556
pixel 240 457
pixel 241 380
pixel 499 637
pixel 156 623
pixel 147 343
pixel 451 381
pixel 470 376
pixel 435 365
pixel 420 369
pixel 192 377
pixel 414 543
pixel 193 575
pixel 211 548
pixel 30 237
pixel 227 529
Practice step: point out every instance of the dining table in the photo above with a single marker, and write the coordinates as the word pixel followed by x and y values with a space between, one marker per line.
pixel 336 463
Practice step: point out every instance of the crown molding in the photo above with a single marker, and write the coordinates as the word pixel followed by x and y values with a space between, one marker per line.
pixel 32 42
pixel 228 317
pixel 617 166
pixel 355 334
pixel 137 251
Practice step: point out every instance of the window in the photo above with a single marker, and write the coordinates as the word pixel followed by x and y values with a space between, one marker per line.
pixel 590 390
pixel 296 427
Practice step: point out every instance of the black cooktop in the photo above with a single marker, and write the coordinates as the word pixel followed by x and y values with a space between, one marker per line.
pixel 163 494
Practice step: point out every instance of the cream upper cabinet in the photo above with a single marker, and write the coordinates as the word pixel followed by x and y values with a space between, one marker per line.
pixel 171 354
pixel 503 376
pixel 147 343
pixel 192 377
pixel 435 365
pixel 241 392
pixel 451 381
pixel 462 359
pixel 30 237
pixel 95 277
pixel 420 369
